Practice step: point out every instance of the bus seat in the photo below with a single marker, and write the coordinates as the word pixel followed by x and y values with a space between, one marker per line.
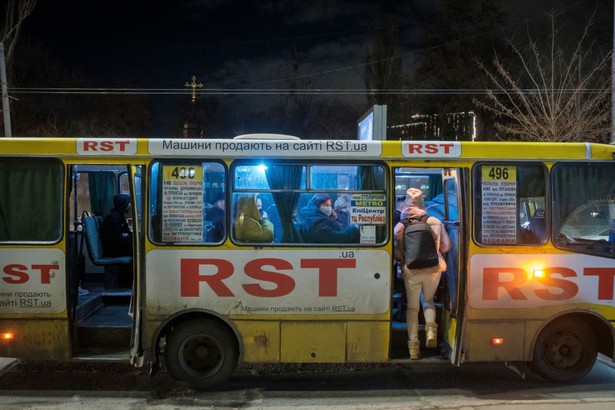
pixel 538 226
pixel 92 241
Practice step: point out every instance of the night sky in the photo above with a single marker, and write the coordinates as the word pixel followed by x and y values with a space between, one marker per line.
pixel 233 45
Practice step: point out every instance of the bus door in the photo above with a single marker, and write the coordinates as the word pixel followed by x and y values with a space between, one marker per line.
pixel 442 191
pixel 136 190
pixel 452 282
pixel 103 293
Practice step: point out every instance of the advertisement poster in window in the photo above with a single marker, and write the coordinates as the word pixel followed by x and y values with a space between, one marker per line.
pixel 182 203
pixel 499 213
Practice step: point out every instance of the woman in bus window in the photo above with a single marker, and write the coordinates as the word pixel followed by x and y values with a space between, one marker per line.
pixel 250 226
pixel 342 210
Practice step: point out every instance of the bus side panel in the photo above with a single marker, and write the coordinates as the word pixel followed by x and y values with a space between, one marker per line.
pixel 480 346
pixel 261 340
pixel 367 341
pixel 33 303
pixel 36 339
pixel 303 342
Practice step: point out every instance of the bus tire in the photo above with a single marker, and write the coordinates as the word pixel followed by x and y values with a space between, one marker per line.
pixel 202 353
pixel 565 351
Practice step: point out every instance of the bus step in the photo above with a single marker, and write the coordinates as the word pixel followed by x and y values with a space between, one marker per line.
pixel 116 298
pixel 109 326
pixel 88 304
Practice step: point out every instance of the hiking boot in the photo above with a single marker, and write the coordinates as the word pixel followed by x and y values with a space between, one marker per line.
pixel 431 328
pixel 414 349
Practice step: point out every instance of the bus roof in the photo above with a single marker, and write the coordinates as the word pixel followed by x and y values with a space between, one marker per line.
pixel 289 148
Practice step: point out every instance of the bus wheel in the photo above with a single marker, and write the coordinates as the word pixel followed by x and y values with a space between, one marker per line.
pixel 201 353
pixel 565 351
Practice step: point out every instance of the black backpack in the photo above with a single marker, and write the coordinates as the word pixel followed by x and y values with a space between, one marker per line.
pixel 420 249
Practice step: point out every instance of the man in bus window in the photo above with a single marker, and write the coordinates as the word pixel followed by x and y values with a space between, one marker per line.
pixel 321 226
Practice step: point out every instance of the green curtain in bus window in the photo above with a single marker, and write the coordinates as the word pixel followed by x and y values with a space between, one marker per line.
pixel 102 188
pixel 287 177
pixel 530 181
pixel 371 177
pixel 30 200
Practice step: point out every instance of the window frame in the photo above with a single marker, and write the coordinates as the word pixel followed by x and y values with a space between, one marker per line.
pixel 155 233
pixel 477 205
pixel 600 248
pixel 57 224
pixel 307 165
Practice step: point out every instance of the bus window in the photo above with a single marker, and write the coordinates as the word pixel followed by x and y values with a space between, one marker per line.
pixel 584 218
pixel 30 200
pixel 285 189
pixel 187 202
pixel 509 204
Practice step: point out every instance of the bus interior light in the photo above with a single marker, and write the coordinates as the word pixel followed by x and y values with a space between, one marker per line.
pixel 497 340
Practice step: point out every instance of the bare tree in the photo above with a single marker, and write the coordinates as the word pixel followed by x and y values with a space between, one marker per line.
pixel 16 12
pixel 553 95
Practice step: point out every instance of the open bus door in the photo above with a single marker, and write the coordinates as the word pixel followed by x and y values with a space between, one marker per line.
pixel 444 190
pixel 105 290
pixel 136 193
pixel 453 279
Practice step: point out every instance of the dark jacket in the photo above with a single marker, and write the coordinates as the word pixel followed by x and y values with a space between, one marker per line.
pixel 320 228
pixel 216 216
pixel 114 231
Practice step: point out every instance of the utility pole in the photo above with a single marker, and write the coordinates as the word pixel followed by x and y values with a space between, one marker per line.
pixel 613 82
pixel 5 94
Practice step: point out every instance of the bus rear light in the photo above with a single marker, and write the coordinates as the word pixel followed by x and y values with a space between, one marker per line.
pixel 7 336
pixel 497 340
pixel 538 273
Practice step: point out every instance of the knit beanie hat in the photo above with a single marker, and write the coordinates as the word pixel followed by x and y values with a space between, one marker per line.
pixel 415 198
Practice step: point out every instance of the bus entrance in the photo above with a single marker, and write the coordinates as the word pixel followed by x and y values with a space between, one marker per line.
pixel 103 299
pixel 440 189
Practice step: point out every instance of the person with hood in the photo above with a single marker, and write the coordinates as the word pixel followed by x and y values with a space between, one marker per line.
pixel 342 210
pixel 419 280
pixel 114 231
pixel 250 226
pixel 321 226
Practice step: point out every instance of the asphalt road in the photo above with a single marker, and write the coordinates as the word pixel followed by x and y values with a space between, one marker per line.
pixel 26 385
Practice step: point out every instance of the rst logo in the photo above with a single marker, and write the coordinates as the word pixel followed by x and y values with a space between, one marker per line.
pixel 508 280
pixel 433 149
pixel 32 280
pixel 267 277
pixel 269 281
pixel 17 273
pixel 103 146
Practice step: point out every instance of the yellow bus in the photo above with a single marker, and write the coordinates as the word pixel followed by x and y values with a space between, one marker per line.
pixel 530 276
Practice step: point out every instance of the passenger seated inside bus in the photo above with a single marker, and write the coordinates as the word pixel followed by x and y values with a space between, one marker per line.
pixel 115 233
pixel 250 226
pixel 116 238
pixel 342 210
pixel 215 215
pixel 320 223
